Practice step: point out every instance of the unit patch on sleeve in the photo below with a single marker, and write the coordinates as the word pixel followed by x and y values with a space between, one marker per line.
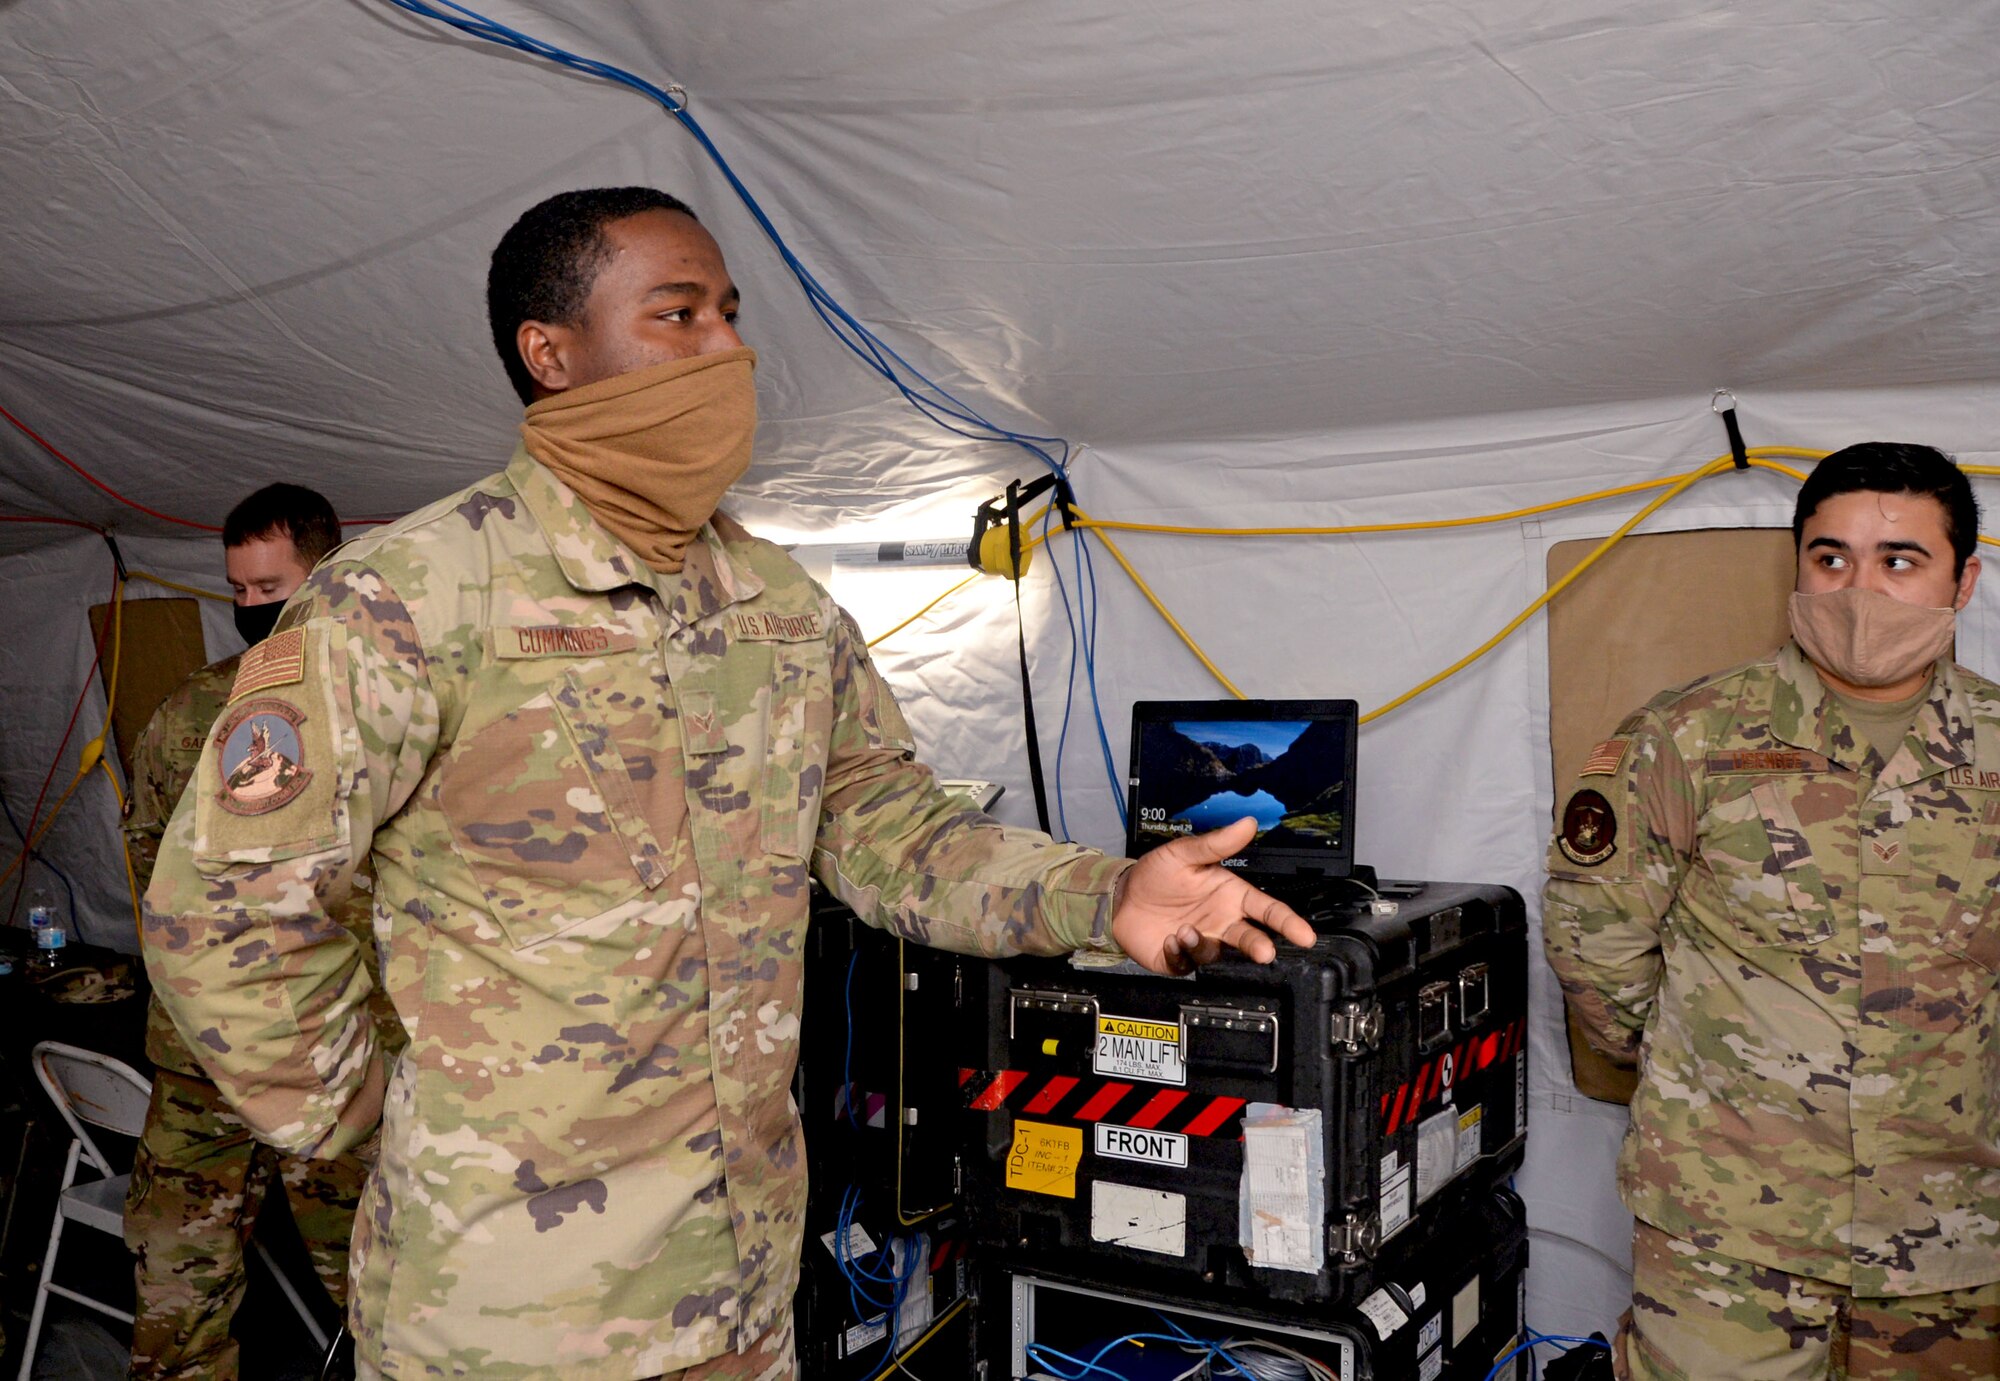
pixel 280 660
pixel 1589 833
pixel 262 757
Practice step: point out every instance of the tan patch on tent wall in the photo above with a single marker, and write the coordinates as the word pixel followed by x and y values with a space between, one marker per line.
pixel 1659 610
pixel 162 647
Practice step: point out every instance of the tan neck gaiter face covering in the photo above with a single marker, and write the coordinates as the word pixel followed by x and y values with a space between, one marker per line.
pixel 1870 639
pixel 650 452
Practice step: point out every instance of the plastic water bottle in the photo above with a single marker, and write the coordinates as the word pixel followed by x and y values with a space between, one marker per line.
pixel 45 923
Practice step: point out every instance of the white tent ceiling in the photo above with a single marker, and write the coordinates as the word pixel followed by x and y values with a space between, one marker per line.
pixel 248 240
pixel 1282 261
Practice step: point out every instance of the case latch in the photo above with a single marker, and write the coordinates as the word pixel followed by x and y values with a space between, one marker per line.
pixel 1357 1027
pixel 1353 1239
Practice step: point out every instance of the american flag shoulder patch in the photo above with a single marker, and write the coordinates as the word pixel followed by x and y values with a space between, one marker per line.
pixel 1605 758
pixel 280 660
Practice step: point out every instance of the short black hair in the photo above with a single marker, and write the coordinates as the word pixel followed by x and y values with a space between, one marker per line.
pixel 290 510
pixel 545 264
pixel 1895 467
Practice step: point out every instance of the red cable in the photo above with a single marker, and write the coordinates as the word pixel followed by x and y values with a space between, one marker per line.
pixel 35 437
pixel 31 434
pixel 66 522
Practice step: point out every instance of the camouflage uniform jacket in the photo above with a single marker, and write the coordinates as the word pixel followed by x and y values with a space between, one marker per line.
pixel 592 796
pixel 1799 942
pixel 163 763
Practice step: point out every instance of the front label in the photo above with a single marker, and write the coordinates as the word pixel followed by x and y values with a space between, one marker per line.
pixel 1044 1158
pixel 1129 1048
pixel 1134 1143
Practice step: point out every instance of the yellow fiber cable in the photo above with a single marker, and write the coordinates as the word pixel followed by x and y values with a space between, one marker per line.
pixel 1673 486
pixel 1756 454
pixel 91 756
pixel 928 1334
pixel 1172 622
pixel 884 637
pixel 196 591
pixel 1686 482
pixel 1759 457
pixel 1359 529
pixel 132 886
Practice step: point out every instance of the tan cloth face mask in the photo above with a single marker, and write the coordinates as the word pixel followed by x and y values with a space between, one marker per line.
pixel 651 452
pixel 1870 639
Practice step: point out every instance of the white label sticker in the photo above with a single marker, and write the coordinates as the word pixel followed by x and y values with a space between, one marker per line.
pixel 1147 1220
pixel 1520 1092
pixel 1432 1366
pixel 1465 1311
pixel 915 1315
pixel 1382 1311
pixel 864 1335
pixel 1136 1143
pixel 1432 1333
pixel 1281 1201
pixel 1437 1151
pixel 1395 1205
pixel 859 1243
pixel 1471 1128
pixel 1130 1048
pixel 1417 1295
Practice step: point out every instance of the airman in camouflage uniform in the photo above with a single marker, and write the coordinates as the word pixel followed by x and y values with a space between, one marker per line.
pixel 1794 929
pixel 593 793
pixel 198 1176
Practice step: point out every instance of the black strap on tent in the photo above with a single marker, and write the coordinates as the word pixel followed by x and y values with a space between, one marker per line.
pixel 1728 416
pixel 1007 510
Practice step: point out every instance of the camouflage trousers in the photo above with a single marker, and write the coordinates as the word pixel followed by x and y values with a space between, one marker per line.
pixel 1700 1316
pixel 198 1180
pixel 769 1360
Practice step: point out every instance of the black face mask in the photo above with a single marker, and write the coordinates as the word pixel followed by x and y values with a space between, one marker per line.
pixel 255 621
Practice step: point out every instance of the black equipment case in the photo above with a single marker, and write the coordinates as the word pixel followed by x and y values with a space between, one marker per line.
pixel 877 1091
pixel 1450 1313
pixel 1107 1124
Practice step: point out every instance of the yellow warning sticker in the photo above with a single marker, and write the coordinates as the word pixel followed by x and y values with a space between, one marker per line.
pixel 1044 1158
pixel 1141 1030
pixel 1128 1048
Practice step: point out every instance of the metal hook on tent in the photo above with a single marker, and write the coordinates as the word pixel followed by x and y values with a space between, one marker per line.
pixel 1728 416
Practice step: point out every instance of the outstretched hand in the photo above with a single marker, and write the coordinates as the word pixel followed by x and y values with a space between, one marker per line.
pixel 1180 906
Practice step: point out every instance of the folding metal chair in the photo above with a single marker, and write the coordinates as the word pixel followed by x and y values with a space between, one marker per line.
pixel 93 1089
